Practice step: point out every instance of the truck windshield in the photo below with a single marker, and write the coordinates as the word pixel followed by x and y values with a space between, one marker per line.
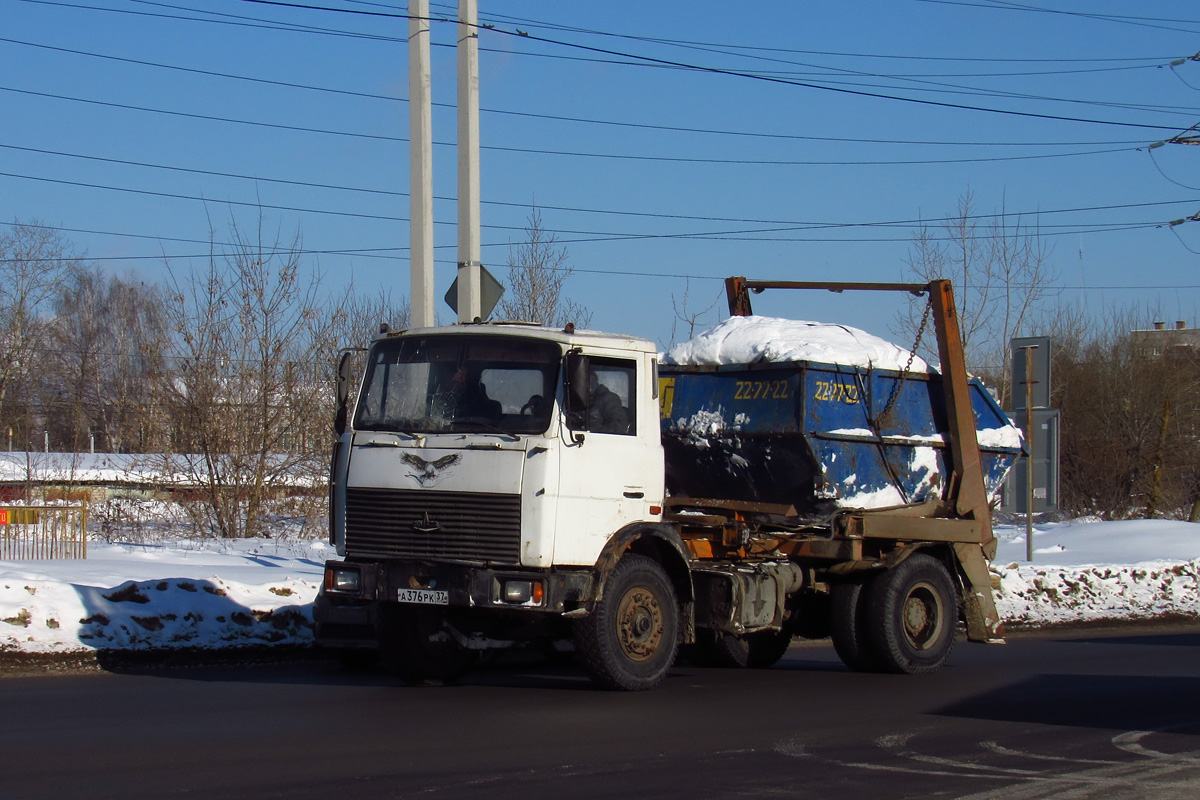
pixel 432 384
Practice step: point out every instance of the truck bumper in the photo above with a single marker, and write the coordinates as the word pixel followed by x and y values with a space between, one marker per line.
pixel 346 610
pixel 345 623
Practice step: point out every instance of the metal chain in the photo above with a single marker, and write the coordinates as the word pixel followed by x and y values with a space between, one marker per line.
pixel 882 417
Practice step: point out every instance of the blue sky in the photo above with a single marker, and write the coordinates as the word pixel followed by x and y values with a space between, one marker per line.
pixel 667 145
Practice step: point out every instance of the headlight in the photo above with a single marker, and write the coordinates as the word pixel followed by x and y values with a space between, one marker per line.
pixel 518 591
pixel 523 592
pixel 343 579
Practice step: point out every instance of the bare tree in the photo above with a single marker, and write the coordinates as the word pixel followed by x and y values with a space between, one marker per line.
pixel 687 316
pixel 357 318
pixel 351 324
pixel 1000 273
pixel 247 385
pixel 137 343
pixel 108 336
pixel 33 259
pixel 537 273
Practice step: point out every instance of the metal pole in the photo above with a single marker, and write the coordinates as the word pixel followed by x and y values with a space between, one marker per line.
pixel 1029 458
pixel 469 300
pixel 420 150
pixel 1156 483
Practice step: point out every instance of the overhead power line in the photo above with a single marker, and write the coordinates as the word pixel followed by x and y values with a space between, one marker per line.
pixel 565 153
pixel 1144 22
pixel 205 72
pixel 386 192
pixel 798 51
pixel 259 24
pixel 525 35
pixel 255 22
pixel 649 61
pixel 751 234
pixel 904 222
pixel 581 270
pixel 858 70
pixel 561 118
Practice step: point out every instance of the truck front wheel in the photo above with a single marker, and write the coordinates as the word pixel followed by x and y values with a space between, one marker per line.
pixel 913 615
pixel 417 646
pixel 630 639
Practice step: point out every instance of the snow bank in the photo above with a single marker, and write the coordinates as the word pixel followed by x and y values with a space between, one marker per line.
pixel 750 340
pixel 1032 595
pixel 178 594
pixel 1088 570
pixel 46 616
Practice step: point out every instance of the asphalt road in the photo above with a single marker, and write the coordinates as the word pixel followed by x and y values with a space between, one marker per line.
pixel 1082 715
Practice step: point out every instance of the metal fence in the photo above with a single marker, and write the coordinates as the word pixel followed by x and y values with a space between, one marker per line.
pixel 32 532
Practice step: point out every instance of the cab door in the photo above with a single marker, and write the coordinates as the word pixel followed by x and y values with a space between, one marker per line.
pixel 611 470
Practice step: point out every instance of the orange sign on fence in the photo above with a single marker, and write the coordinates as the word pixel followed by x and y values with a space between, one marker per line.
pixel 41 532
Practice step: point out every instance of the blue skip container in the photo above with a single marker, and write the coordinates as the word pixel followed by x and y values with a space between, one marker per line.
pixel 819 437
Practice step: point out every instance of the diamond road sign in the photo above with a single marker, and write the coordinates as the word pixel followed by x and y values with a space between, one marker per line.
pixel 490 290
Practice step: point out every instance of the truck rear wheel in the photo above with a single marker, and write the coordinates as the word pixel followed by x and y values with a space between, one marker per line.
pixel 850 625
pixel 913 615
pixel 417 646
pixel 630 639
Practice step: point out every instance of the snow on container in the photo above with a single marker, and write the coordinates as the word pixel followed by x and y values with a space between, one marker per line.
pixel 816 416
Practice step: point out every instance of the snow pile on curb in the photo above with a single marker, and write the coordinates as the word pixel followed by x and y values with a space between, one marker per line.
pixel 180 594
pixel 38 616
pixel 1087 570
pixel 1034 595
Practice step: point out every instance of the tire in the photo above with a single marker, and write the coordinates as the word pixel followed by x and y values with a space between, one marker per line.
pixel 810 617
pixel 753 651
pixel 629 641
pixel 849 612
pixel 704 651
pixel 416 645
pixel 914 613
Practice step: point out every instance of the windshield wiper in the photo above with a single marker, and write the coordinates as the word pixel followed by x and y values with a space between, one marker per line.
pixel 486 425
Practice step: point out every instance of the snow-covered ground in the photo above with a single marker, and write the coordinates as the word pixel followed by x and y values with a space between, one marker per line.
pixel 1088 570
pixel 209 594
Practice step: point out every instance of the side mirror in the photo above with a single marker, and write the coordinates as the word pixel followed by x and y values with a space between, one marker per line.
pixel 345 377
pixel 576 390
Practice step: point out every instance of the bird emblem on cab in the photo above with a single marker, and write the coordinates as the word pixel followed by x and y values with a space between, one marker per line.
pixel 429 473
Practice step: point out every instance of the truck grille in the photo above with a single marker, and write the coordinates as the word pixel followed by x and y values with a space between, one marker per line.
pixel 398 523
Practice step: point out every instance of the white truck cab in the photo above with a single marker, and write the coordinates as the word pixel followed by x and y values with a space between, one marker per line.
pixel 487 468
pixel 468 428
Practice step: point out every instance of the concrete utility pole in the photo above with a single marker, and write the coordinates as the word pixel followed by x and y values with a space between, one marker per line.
pixel 469 263
pixel 420 170
pixel 1029 445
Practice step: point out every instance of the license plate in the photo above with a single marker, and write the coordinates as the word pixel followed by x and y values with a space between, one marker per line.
pixel 434 597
